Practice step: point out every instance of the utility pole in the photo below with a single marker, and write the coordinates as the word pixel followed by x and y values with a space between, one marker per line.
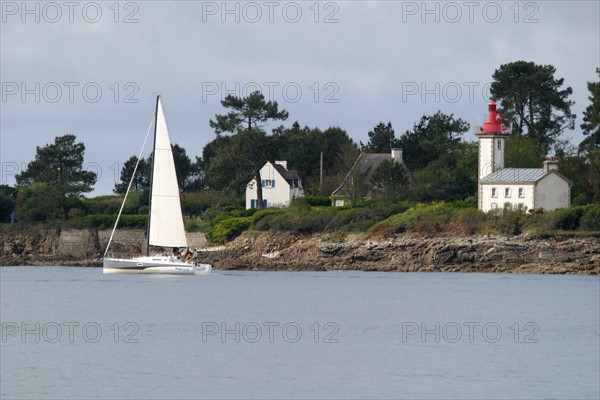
pixel 321 175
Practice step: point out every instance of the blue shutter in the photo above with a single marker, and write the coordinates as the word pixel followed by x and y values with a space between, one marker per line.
pixel 262 183
pixel 273 183
pixel 265 203
pixel 252 203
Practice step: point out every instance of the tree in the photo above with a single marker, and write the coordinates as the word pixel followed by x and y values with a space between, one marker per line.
pixel 246 113
pixel 591 118
pixel 251 146
pixel 142 178
pixel 302 148
pixel 533 101
pixel 381 139
pixel 219 172
pixel 433 138
pixel 183 167
pixel 60 166
pixel 389 179
pixel 38 201
pixel 355 184
pixel 583 170
pixel 523 152
pixel 443 166
pixel 197 177
pixel 7 202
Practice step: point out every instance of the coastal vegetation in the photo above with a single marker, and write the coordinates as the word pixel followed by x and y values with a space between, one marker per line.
pixel 386 219
pixel 442 201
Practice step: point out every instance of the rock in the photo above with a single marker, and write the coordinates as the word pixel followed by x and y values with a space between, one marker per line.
pixel 286 252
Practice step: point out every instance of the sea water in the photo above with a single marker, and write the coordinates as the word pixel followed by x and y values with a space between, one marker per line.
pixel 74 333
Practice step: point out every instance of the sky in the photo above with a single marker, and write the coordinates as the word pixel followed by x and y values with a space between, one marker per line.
pixel 93 69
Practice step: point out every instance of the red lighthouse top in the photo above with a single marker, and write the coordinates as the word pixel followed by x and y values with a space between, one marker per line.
pixel 493 126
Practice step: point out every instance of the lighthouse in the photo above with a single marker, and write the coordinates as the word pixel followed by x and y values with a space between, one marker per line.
pixel 492 141
pixel 515 188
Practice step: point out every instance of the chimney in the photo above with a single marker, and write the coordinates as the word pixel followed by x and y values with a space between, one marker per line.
pixel 397 155
pixel 550 165
pixel 282 163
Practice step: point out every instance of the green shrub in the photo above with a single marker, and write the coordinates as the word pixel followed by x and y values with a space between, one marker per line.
pixel 103 204
pixel 470 220
pixel 580 200
pixel 228 229
pixel 297 221
pixel 133 221
pixel 568 219
pixel 102 221
pixel 313 201
pixel 260 214
pixel 590 220
pixel 235 213
pixel 198 203
pixel 509 221
pixel 421 218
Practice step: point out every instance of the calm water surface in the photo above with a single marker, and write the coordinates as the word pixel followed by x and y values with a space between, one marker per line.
pixel 73 333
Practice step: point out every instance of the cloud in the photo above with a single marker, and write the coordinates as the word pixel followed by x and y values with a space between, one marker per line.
pixel 350 64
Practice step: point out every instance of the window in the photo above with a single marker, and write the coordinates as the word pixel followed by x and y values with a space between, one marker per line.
pixel 499 145
pixel 494 192
pixel 521 193
pixel 254 203
pixel 506 192
pixel 494 206
pixel 268 183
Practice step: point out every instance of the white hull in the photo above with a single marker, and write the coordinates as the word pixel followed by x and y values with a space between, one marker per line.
pixel 153 265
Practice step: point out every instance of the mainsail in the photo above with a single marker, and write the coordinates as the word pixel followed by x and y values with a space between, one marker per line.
pixel 166 220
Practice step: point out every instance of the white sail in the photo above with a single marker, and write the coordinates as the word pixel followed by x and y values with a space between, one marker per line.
pixel 166 220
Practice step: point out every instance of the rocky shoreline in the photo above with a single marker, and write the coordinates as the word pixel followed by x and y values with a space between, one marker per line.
pixel 281 252
pixel 277 251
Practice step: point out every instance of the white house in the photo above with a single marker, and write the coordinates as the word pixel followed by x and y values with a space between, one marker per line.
pixel 279 186
pixel 529 188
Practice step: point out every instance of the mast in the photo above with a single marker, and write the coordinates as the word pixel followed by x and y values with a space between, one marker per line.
pixel 152 179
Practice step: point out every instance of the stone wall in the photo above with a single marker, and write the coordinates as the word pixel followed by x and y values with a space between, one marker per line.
pixel 78 243
pixel 133 241
pixel 59 247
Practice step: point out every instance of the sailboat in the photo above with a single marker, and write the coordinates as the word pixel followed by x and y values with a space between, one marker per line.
pixel 165 221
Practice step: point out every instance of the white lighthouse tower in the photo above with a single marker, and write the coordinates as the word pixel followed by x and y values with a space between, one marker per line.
pixel 492 142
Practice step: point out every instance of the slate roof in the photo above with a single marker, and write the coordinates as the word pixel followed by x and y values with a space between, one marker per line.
pixel 524 175
pixel 368 163
pixel 288 175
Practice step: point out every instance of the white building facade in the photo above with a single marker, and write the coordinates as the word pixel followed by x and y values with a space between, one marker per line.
pixel 526 188
pixel 279 186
